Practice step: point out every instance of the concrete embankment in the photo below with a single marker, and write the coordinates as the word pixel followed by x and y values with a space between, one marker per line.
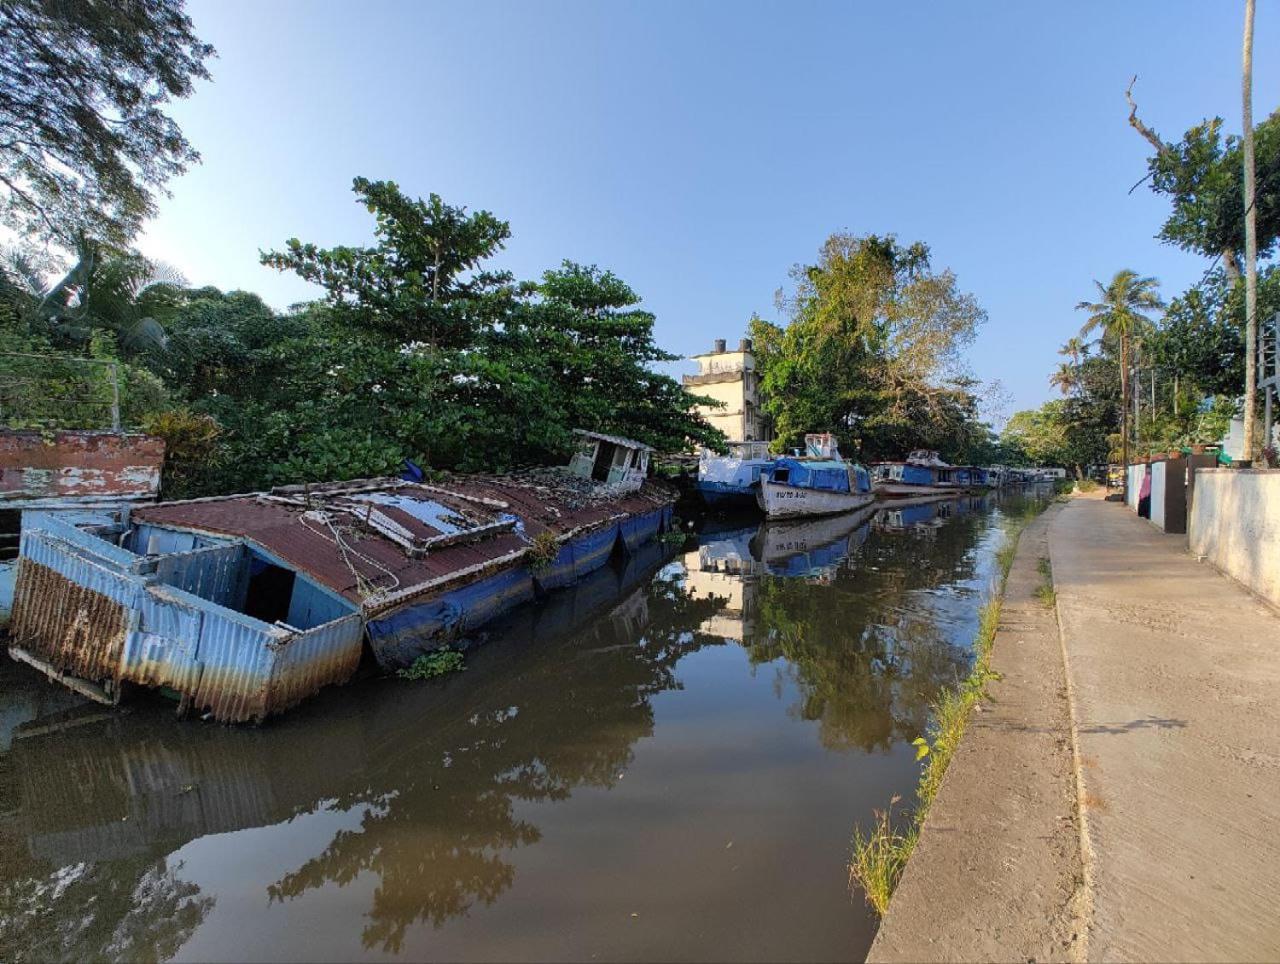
pixel 997 871
pixel 1159 837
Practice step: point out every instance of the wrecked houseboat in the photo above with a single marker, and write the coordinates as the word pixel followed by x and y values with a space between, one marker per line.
pixel 243 606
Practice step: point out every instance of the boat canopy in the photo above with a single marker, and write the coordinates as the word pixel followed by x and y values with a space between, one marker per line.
pixel 825 475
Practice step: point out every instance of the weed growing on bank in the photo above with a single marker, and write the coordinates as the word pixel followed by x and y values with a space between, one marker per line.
pixel 880 855
pixel 878 858
pixel 1044 591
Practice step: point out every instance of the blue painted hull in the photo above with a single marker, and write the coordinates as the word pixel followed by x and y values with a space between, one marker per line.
pixel 723 495
pixel 400 637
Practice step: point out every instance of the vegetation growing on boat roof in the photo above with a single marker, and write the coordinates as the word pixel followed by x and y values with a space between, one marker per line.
pixel 542 552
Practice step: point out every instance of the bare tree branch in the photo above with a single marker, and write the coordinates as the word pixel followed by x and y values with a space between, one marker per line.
pixel 1136 123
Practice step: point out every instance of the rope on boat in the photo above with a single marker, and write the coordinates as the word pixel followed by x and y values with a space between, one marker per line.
pixel 369 591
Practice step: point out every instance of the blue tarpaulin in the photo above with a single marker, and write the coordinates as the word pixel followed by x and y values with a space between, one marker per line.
pixel 822 474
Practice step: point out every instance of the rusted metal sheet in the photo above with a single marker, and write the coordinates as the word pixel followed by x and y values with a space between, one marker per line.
pixel 87 608
pixel 293 534
pixel 72 608
pixel 319 657
pixel 54 468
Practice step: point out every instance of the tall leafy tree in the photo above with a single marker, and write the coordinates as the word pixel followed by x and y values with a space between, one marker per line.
pixel 84 138
pixel 598 353
pixel 421 281
pixel 1202 175
pixel 872 349
pixel 1120 316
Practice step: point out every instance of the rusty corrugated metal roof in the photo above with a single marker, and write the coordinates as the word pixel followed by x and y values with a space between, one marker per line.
pixel 355 559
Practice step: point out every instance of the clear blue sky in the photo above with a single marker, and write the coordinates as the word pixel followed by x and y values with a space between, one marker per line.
pixel 700 149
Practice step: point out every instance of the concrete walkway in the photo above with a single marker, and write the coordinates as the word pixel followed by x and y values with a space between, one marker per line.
pixel 1175 689
pixel 1120 797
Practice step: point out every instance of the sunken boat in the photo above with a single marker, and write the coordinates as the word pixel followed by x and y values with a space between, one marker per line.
pixel 242 606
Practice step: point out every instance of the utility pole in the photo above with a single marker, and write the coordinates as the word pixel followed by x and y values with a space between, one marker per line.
pixel 1250 241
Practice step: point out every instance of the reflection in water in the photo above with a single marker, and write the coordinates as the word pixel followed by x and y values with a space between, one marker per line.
pixel 892 623
pixel 860 619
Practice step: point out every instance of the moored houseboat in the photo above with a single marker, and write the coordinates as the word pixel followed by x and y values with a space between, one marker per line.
pixel 921 473
pixel 816 483
pixel 731 481
pixel 245 605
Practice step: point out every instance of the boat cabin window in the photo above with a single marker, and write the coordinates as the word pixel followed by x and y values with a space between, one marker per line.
pixel 605 452
pixel 782 476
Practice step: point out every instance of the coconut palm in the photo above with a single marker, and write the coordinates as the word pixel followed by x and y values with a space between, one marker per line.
pixel 119 292
pixel 1064 379
pixel 1075 348
pixel 1120 317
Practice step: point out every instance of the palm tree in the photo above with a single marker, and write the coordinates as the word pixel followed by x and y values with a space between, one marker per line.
pixel 119 292
pixel 1064 379
pixel 1075 348
pixel 1120 316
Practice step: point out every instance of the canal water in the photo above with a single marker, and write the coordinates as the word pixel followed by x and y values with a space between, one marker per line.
pixel 665 762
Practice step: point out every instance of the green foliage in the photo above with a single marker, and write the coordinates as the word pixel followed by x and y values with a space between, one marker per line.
pixel 1121 314
pixel 191 450
pixel 542 552
pixel 417 351
pixel 871 352
pixel 1045 592
pixel 83 87
pixel 594 349
pixel 438 662
pixel 420 282
pixel 880 856
pixel 1202 177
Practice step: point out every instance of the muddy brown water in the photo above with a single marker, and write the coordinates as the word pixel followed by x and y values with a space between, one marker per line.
pixel 664 762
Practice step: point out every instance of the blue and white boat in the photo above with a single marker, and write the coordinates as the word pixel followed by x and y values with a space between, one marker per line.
pixel 922 473
pixel 819 482
pixel 732 481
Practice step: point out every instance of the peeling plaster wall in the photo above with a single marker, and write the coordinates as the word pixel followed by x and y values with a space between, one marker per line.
pixel 78 465
pixel 1234 523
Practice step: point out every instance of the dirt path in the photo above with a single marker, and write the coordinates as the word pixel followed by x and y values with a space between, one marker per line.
pixel 1175 673
pixel 997 872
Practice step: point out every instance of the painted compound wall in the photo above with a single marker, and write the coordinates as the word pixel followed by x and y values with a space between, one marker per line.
pixel 1234 523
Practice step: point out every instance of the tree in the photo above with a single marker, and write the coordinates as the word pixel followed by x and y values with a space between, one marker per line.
pixel 598 351
pixel 420 351
pixel 420 282
pixel 106 290
pixel 1202 176
pixel 872 349
pixel 1064 379
pixel 84 137
pixel 1041 434
pixel 1120 316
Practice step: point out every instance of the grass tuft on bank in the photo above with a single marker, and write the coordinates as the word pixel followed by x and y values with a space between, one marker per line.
pixel 880 855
